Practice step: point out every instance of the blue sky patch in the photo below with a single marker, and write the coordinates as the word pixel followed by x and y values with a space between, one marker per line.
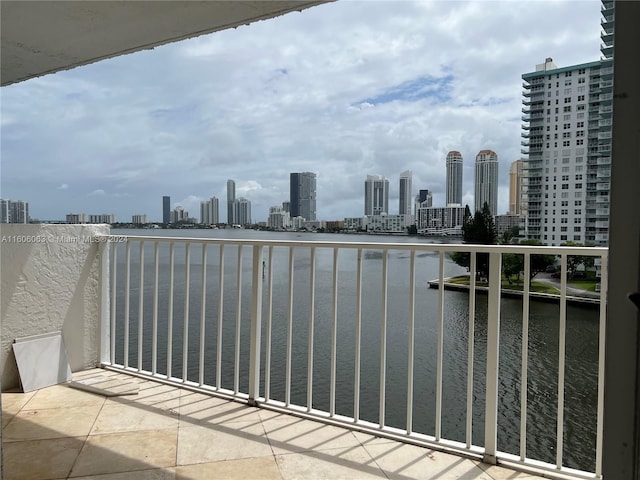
pixel 436 88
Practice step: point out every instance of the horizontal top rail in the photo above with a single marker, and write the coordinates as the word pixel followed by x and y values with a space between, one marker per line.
pixel 432 247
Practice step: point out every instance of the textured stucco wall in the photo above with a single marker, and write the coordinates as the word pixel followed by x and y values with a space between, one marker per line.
pixel 50 281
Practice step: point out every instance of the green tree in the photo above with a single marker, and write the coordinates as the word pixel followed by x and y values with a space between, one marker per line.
pixel 478 229
pixel 539 263
pixel 412 230
pixel 574 261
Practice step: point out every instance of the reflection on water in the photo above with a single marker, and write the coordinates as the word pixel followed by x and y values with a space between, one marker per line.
pixel 580 393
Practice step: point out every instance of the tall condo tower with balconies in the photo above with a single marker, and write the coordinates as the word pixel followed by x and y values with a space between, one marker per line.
pixel 486 181
pixel 404 207
pixel 376 195
pixel 302 195
pixel 567 139
pixel 454 178
pixel 516 178
pixel 231 198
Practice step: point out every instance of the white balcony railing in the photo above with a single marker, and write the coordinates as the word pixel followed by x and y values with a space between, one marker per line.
pixel 349 333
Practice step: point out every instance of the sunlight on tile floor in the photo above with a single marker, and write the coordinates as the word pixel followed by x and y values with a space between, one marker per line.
pixel 167 433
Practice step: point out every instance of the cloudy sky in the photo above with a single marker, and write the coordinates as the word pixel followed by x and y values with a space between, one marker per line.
pixel 343 90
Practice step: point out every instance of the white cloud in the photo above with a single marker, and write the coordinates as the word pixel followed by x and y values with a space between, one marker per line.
pixel 64 186
pixel 290 94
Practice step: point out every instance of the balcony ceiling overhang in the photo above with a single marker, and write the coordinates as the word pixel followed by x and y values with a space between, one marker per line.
pixel 41 37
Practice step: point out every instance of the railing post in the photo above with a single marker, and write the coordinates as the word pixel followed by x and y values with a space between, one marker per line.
pixel 104 249
pixel 493 345
pixel 256 321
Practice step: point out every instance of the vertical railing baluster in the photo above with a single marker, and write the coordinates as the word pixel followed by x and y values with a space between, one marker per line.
pixel 524 384
pixel 256 324
pixel 561 360
pixel 127 285
pixel 383 340
pixel 170 310
pixel 334 336
pixel 154 327
pixel 104 253
pixel 493 346
pixel 140 305
pixel 312 298
pixel 267 353
pixel 220 317
pixel 185 325
pixel 287 388
pixel 410 349
pixel 440 348
pixel 471 345
pixel 604 286
pixel 114 295
pixel 358 335
pixel 203 309
pixel 236 368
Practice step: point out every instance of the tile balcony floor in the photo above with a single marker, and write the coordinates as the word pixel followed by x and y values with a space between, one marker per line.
pixel 165 432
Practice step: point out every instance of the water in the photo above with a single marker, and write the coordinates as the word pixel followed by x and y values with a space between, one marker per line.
pixel 581 340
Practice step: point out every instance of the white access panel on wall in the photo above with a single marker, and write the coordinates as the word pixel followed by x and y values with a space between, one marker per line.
pixel 42 361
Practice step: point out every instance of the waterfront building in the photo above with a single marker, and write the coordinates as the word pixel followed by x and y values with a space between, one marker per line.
pixel 486 181
pixel 76 218
pixel 278 218
pixel 166 209
pixel 354 224
pixel 140 219
pixel 14 211
pixel 178 214
pixel 376 195
pixel 508 222
pixel 209 211
pixel 454 178
pixel 516 179
pixel 286 206
pixel 102 218
pixel 386 223
pixel 231 198
pixel 567 134
pixel 302 195
pixel 404 206
pixel 242 211
pixel 297 223
pixel 441 220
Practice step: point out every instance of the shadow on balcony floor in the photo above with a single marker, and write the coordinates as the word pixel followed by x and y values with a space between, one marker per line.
pixel 165 432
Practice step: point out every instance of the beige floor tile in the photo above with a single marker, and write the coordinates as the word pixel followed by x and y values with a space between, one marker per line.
pixel 40 459
pixel 128 417
pixel 289 434
pixel 401 461
pixel 201 408
pixel 13 402
pixel 58 396
pixel 501 473
pixel 263 468
pixel 154 474
pixel 123 452
pixel 51 423
pixel 158 395
pixel 354 463
pixel 211 443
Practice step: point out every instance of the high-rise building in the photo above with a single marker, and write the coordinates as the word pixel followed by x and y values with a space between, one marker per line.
pixel 242 211
pixel 209 211
pixel 102 218
pixel 178 214
pixel 404 207
pixel 76 218
pixel 376 195
pixel 302 195
pixel 568 138
pixel 486 181
pixel 454 178
pixel 139 219
pixel 278 218
pixel 166 209
pixel 516 177
pixel 231 198
pixel 14 211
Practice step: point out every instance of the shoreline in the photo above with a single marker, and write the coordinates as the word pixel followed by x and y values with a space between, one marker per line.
pixel 541 297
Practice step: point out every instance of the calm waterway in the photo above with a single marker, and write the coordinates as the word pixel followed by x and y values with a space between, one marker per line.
pixel 581 343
